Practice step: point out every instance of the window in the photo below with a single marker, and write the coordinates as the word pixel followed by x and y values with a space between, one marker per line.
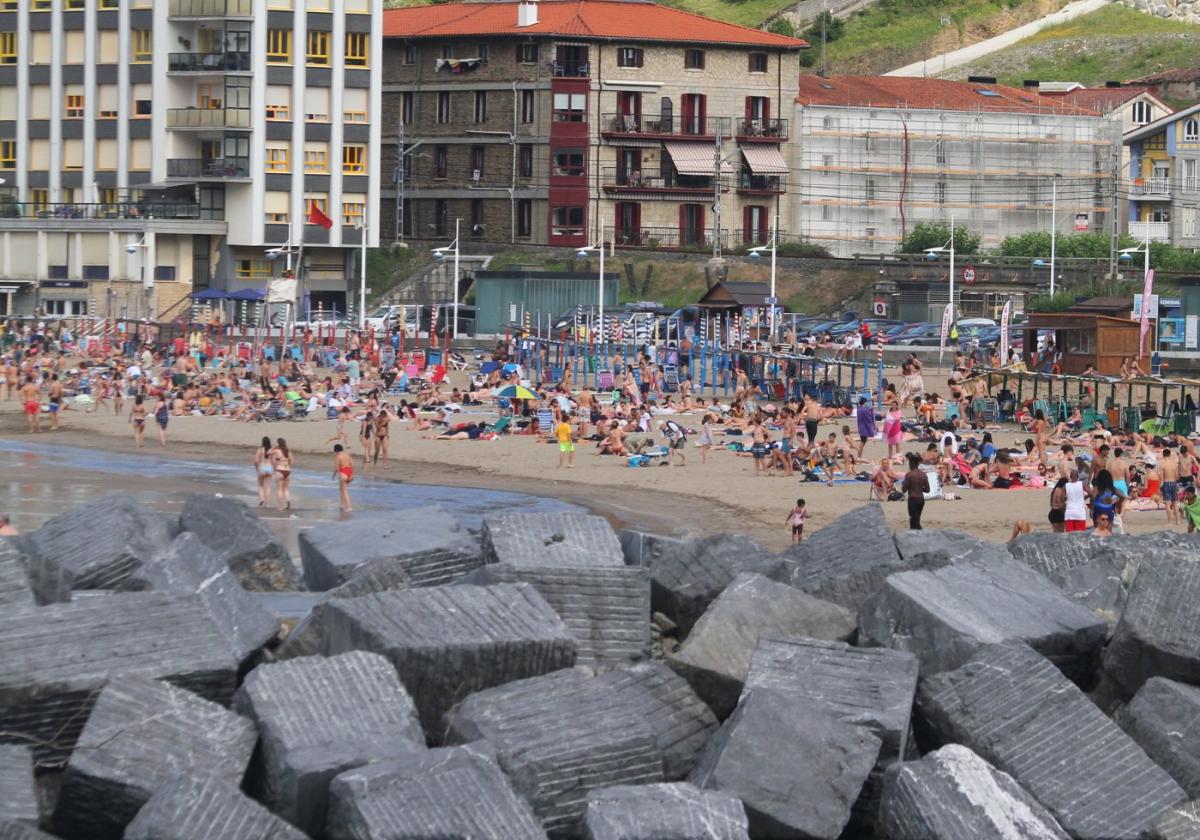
pixel 476 217
pixel 354 105
pixel 142 103
pixel 42 5
pixel 758 62
pixel 477 159
pixel 106 154
pixel 8 47
pixel 278 157
pixel 1191 182
pixel 109 46
pixel 939 190
pixel 8 154
pixel 410 54
pixel 316 104
pixel 439 217
pixel 629 57
pixel 1141 113
pixel 524 161
pixel 279 106
pixel 317 50
pixel 72 5
pixel 527 53
pixel 527 107
pixel 447 51
pixel 354 209
pixel 109 4
pixel 318 200
pixel 354 159
pixel 869 192
pixel 570 107
pixel 316 158
pixel 693 59
pixel 566 221
pixel 356 49
pixel 260 269
pixel 143 46
pixel 140 155
pixel 439 162
pixel 108 99
pixel 39 198
pixel 279 46
pixel 1191 130
pixel 939 152
pixel 481 106
pixel 443 107
pixel 524 217
pixel 1189 223
pixel 407 99
pixel 568 162
pixel 73 108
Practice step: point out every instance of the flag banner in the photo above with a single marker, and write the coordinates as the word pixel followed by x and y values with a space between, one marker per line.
pixel 946 316
pixel 316 216
pixel 1146 298
pixel 281 290
pixel 1005 318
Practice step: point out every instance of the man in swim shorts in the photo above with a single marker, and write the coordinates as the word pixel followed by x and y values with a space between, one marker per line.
pixel 56 396
pixel 33 404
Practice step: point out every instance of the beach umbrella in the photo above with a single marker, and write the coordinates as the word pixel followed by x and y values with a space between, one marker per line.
pixel 516 392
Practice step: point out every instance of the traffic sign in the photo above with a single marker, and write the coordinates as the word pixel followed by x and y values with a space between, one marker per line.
pixel 968 274
pixel 772 301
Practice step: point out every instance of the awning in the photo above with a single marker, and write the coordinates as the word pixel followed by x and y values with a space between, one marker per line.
pixel 247 294
pixel 208 294
pixel 765 160
pixel 693 158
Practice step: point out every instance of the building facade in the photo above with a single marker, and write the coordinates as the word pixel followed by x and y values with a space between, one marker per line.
pixel 150 148
pixel 1164 179
pixel 877 155
pixel 558 123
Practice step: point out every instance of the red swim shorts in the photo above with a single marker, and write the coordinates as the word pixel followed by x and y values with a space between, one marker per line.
pixel 32 407
pixel 1076 524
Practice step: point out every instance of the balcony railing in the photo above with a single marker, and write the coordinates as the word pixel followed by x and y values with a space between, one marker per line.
pixel 117 210
pixel 671 126
pixel 570 69
pixel 219 62
pixel 211 8
pixel 627 179
pixel 771 130
pixel 760 183
pixel 673 238
pixel 207 168
pixel 208 118
pixel 1154 231
pixel 1151 186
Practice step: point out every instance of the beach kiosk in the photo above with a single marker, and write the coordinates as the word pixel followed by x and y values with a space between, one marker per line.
pixel 747 300
pixel 1098 332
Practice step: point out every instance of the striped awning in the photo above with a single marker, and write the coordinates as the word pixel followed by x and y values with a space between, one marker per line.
pixel 765 160
pixel 693 158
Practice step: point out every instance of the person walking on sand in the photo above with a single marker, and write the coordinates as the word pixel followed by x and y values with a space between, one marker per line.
pixel 1168 464
pixel 676 440
pixel 263 470
pixel 162 415
pixel 865 417
pixel 281 460
pixel 56 398
pixel 893 431
pixel 137 416
pixel 343 472
pixel 796 518
pixel 366 436
pixel 1076 511
pixel 705 441
pixel 382 418
pixel 566 441
pixel 33 404
pixel 916 484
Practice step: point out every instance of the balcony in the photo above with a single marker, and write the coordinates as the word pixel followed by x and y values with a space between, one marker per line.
pixel 759 184
pixel 210 8
pixel 221 62
pixel 671 238
pixel 207 169
pixel 762 131
pixel 119 210
pixel 569 69
pixel 1153 231
pixel 626 181
pixel 1151 188
pixel 643 125
pixel 208 118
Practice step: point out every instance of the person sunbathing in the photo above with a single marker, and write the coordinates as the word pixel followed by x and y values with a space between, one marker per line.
pixel 882 480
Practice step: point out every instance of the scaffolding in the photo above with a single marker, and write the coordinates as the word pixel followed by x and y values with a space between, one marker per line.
pixel 867 175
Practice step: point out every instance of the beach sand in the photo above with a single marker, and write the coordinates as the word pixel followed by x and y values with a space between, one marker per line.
pixel 723 495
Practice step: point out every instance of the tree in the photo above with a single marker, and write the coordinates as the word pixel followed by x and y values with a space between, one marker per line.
pixel 935 235
pixel 834 27
pixel 782 26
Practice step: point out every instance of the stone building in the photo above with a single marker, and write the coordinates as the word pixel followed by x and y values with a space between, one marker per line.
pixel 557 122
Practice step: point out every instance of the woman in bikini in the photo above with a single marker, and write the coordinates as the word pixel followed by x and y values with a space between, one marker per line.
pixel 382 419
pixel 343 472
pixel 162 415
pixel 366 436
pixel 263 469
pixel 281 460
pixel 137 416
pixel 1041 433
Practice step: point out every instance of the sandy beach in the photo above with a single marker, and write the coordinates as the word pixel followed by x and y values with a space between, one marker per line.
pixel 722 495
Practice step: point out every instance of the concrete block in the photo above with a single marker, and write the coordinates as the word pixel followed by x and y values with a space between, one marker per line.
pixel 935 548
pixel 16 830
pixel 716 655
pixel 320 716
pixel 1179 823
pixel 139 732
pixel 1092 571
pixel 642 549
pixel 797 771
pixel 1016 710
pixel 427 543
pixel 952 794
pixel 14 582
pixel 18 795
pixel 449 641
pixel 668 811
pixel 203 807
pixel 556 538
pixel 242 540
pixel 54 659
pixel 1164 718
pixel 944 615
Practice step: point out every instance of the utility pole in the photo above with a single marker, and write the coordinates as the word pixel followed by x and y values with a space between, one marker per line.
pixel 716 193
pixel 1114 223
pixel 399 176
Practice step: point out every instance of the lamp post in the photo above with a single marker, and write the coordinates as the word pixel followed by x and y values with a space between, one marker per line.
pixel 756 253
pixel 932 254
pixel 440 253
pixel 1126 255
pixel 362 277
pixel 1053 226
pixel 131 249
pixel 583 252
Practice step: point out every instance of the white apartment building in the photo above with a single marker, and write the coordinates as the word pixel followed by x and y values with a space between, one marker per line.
pixel 150 148
pixel 879 154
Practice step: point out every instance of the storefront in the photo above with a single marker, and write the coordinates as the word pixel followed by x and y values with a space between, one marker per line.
pixel 63 298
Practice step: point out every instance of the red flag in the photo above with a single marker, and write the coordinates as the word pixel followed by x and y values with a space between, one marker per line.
pixel 316 217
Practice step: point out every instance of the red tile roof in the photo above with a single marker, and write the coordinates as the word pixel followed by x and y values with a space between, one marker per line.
pixel 602 19
pixel 927 94
pixel 1100 100
pixel 1179 74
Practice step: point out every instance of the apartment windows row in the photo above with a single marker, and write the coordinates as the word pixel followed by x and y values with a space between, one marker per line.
pixel 446 100
pixel 108 47
pixel 277 207
pixel 74 101
pixel 317 104
pixel 317 51
pixel 106 155
pixel 278 157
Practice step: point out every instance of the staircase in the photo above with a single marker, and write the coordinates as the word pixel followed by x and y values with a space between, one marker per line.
pixel 436 283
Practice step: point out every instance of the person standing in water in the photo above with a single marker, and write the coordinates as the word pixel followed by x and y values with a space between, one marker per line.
pixel 162 415
pixel 137 416
pixel 263 470
pixel 382 419
pixel 343 472
pixel 281 460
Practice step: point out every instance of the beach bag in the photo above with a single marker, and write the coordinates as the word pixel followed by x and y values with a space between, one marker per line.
pixel 809 475
pixel 895 496
pixel 1002 483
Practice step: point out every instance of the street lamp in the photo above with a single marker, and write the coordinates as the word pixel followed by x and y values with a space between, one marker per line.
pixel 589 249
pixel 440 253
pixel 755 254
pixel 362 277
pixel 932 254
pixel 131 249
pixel 1053 226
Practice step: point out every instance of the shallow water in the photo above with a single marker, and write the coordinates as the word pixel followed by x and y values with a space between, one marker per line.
pixel 38 481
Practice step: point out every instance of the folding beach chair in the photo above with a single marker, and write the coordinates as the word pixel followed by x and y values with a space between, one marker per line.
pixel 604 380
pixel 545 418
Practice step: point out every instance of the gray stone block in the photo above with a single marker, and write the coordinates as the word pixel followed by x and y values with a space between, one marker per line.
pixel 1092 571
pixel 102 542
pixel 320 716
pixel 1164 718
pixel 455 792
pixel 54 659
pixel 242 541
pixel 449 641
pixel 680 720
pixel 797 771
pixel 18 796
pixel 427 544
pixel 558 737
pixel 14 582
pixel 606 608
pixel 139 732
pixel 953 794
pixel 187 565
pixel 677 811
pixel 1016 710
pixel 1159 631
pixel 555 538
pixel 935 548
pixel 1179 823
pixel 689 576
pixel 46 579
pixel 944 615
pixel 716 655
pixel 202 807
pixel 15 830
pixel 642 549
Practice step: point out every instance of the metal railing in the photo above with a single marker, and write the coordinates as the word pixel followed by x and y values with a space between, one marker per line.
pixel 1154 231
pixel 207 168
pixel 215 62
pixel 675 125
pixel 673 238
pixel 634 179
pixel 211 8
pixel 748 182
pixel 208 118
pixel 1151 186
pixel 570 69
pixel 766 129
pixel 118 210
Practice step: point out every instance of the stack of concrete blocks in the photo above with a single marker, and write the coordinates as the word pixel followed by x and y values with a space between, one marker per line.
pixel 204 807
pixel 18 795
pixel 244 543
pixel 666 811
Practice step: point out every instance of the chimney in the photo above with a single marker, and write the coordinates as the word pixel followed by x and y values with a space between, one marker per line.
pixel 1031 84
pixel 527 13
pixel 982 80
pixel 1111 84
